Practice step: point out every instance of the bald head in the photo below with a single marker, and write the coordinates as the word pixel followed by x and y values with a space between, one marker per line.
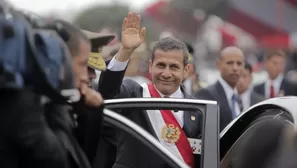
pixel 231 51
pixel 230 64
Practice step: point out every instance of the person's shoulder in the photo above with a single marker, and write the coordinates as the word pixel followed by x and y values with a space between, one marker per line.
pixel 131 84
pixel 259 85
pixel 290 82
pixel 257 96
pixel 202 92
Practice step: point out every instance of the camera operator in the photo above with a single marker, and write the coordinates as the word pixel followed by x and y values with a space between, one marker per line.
pixel 26 140
pixel 34 135
pixel 88 110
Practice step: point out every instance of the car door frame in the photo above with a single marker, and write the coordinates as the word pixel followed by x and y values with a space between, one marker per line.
pixel 210 146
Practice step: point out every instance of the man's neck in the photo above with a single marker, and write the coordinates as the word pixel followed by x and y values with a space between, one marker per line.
pixel 175 94
pixel 228 83
pixel 245 91
pixel 275 78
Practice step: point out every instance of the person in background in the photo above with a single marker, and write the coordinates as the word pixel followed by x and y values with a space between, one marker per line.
pixel 192 83
pixel 292 75
pixel 96 61
pixel 276 85
pixel 230 64
pixel 137 66
pixel 245 88
pixel 89 110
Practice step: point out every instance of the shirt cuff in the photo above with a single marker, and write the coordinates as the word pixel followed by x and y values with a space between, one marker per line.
pixel 115 65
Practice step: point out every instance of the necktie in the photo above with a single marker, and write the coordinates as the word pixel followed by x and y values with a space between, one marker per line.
pixel 233 109
pixel 272 91
pixel 240 103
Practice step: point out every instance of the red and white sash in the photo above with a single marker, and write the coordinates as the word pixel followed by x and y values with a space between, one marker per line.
pixel 162 118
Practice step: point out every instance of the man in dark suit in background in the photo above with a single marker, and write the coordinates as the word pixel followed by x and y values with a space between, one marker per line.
pixel 276 85
pixel 168 68
pixel 244 87
pixel 230 65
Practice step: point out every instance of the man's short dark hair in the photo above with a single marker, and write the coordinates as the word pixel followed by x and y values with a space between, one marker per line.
pixel 248 67
pixel 75 37
pixel 271 53
pixel 190 48
pixel 169 44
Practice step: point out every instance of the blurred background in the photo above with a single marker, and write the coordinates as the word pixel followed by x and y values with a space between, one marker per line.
pixel 206 25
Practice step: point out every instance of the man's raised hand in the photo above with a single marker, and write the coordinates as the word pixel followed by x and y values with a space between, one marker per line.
pixel 133 35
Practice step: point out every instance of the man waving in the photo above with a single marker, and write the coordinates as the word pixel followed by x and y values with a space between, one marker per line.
pixel 168 67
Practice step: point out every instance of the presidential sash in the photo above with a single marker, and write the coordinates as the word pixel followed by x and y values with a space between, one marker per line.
pixel 168 130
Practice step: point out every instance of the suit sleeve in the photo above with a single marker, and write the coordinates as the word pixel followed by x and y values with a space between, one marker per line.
pixel 257 89
pixel 111 84
pixel 204 94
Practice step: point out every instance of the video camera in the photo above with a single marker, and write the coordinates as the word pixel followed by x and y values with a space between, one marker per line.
pixel 33 55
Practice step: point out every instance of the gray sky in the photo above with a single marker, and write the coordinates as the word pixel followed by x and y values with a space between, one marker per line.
pixel 44 6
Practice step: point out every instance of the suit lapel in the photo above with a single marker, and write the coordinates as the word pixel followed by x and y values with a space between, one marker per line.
pixel 252 99
pixel 223 101
pixel 262 89
pixel 283 87
pixel 192 123
pixel 192 120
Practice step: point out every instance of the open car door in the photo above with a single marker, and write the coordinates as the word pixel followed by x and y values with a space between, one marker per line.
pixel 210 125
pixel 281 111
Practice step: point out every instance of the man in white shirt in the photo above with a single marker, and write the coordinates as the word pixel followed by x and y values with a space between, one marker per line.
pixel 247 96
pixel 276 85
pixel 230 65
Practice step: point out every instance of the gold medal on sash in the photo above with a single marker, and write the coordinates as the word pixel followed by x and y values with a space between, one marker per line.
pixel 170 134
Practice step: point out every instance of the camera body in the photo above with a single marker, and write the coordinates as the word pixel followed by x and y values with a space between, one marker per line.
pixel 33 55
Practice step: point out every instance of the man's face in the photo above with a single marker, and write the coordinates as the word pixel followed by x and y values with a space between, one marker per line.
pixel 230 66
pixel 274 66
pixel 168 70
pixel 244 81
pixel 80 64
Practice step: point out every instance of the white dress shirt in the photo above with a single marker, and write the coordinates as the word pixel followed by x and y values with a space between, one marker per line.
pixel 229 92
pixel 246 98
pixel 276 85
pixel 115 65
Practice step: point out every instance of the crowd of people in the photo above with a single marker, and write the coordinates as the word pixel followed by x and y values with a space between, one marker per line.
pixel 70 134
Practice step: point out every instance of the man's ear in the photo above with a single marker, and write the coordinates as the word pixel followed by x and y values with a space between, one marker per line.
pixel 186 71
pixel 150 66
pixel 218 64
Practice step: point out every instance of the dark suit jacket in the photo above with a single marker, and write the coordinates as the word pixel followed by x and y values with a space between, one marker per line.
pixel 130 152
pixel 88 128
pixel 216 92
pixel 256 98
pixel 26 140
pixel 289 88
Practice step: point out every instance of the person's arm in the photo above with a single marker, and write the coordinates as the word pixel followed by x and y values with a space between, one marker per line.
pixel 111 80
